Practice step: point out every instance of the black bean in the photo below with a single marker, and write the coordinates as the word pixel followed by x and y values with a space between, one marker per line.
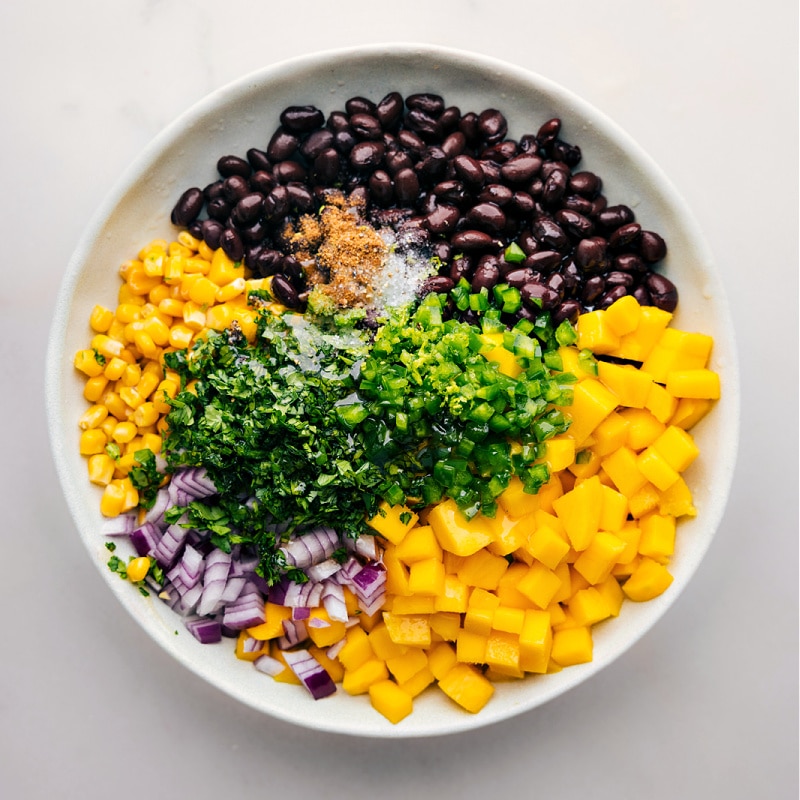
pixel 282 145
pixel 212 230
pixel 449 119
pixel 406 186
pixel 442 219
pixel 366 127
pixel 496 193
pixel 492 125
pixel 486 275
pixel 284 291
pixel 276 203
pixel 555 185
pixel 591 254
pixel 472 241
pixel 255 233
pixel 575 224
pixel 599 204
pixel 326 166
pixel 663 293
pixel 486 216
pixel 528 242
pixel 425 125
pixel 522 203
pixel 543 260
pixel 431 104
pixel 454 144
pixel 367 155
pixel 381 187
pixel 611 296
pixel 500 152
pixel 235 188
pixel 231 243
pixel 575 202
pixel 233 165
pixel 360 105
pixel 586 184
pixel 261 181
pixel 390 110
pixel 548 132
pixel 468 125
pixel 213 190
pixel 491 171
pixel 592 289
pixel 316 142
pixel 432 165
pixel 570 154
pixel 398 160
pixel 642 296
pixel 300 197
pixel 652 247
pixel 436 283
pixel 338 121
pixel 196 229
pixel 289 172
pixel 519 277
pixel 188 207
pixel 629 262
pixel 442 251
pixel 411 142
pixel 468 169
pixel 302 119
pixel 550 233
pixel 615 216
pixel 219 208
pixel 521 169
pixel 344 141
pixel 557 283
pixel 569 309
pixel 258 159
pixel 267 262
pixel 625 235
pixel 538 295
pixel 248 209
pixel 461 267
pixel 572 277
pixel 292 269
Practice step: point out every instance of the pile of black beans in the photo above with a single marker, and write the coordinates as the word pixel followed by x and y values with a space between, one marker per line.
pixel 452 185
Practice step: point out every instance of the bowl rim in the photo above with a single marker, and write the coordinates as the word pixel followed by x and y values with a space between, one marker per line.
pixel 55 358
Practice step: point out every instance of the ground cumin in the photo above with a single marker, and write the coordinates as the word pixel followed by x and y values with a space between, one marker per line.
pixel 341 254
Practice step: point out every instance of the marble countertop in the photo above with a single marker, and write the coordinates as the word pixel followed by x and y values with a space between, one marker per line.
pixel 703 706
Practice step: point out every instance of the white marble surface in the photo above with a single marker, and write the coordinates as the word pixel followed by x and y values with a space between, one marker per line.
pixel 704 706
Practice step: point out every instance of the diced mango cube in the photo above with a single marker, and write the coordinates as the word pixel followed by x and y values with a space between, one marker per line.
pixel 588 606
pixel 572 646
pixel 623 315
pixel 539 585
pixel 414 604
pixel 643 427
pixel 658 537
pixel 426 577
pixel 579 510
pixel 502 650
pixel 456 533
pixel 417 683
pixel 560 452
pixel 547 546
pixel 612 594
pixel 591 404
pixel 445 624
pixel 272 627
pixel 629 384
pixel 393 522
pixel 637 344
pixel 535 641
pixel 596 561
pixel 382 644
pixel 471 647
pixel 407 665
pixel 454 595
pixel 595 334
pixel 677 500
pixel 648 580
pixel 622 467
pixel 467 687
pixel 419 544
pixel 441 659
pixel 609 435
pixel 390 700
pixel 411 630
pixel 661 402
pixel 509 620
pixel 358 680
pixel 677 447
pixel 614 511
pixel 356 650
pixel 656 469
pixel 515 501
pixel 482 569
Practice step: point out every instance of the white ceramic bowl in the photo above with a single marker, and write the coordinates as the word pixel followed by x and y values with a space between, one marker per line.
pixel 243 115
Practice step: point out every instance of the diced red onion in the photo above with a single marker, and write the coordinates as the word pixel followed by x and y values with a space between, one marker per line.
pixel 218 564
pixel 310 547
pixel 323 570
pixel 333 601
pixel 168 549
pixel 161 504
pixel 251 645
pixel 233 588
pixel 365 545
pixel 269 665
pixel 121 525
pixel 336 648
pixel 194 482
pixel 301 612
pixel 312 674
pixel 145 538
pixel 206 631
pixel 294 631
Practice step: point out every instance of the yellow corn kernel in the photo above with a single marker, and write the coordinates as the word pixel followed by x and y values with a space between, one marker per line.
pixel 197 266
pixel 137 569
pixel 126 295
pixel 157 329
pixel 154 264
pixel 92 441
pixel 94 387
pixel 126 267
pixel 92 417
pixel 124 432
pixel 166 387
pixel 231 291
pixel 149 381
pixel 187 240
pixel 101 318
pixel 203 291
pixel 115 404
pixel 106 346
pixel 115 368
pixel 171 306
pixel 219 317
pixel 204 251
pixel 112 502
pixel 131 397
pixel 572 646
pixel 117 331
pixel 467 686
pixel 223 270
pixel 86 362
pixel 140 283
pixel 648 580
pixel 145 344
pixel 159 293
pixel 152 442
pixel 181 336
pixel 194 317
pixel 101 469
pixel 128 312
pixel 174 269
pixel 145 415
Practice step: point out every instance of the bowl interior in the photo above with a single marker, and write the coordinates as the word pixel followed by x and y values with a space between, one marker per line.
pixel 243 115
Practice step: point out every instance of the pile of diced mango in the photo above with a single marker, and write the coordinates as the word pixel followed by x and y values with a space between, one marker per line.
pixel 170 295
pixel 469 602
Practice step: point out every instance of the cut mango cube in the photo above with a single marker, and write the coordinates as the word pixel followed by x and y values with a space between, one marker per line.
pixel 393 522
pixel 390 700
pixel 456 533
pixel 467 687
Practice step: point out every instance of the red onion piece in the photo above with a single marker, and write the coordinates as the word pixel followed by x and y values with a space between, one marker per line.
pixel 206 631
pixel 312 674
